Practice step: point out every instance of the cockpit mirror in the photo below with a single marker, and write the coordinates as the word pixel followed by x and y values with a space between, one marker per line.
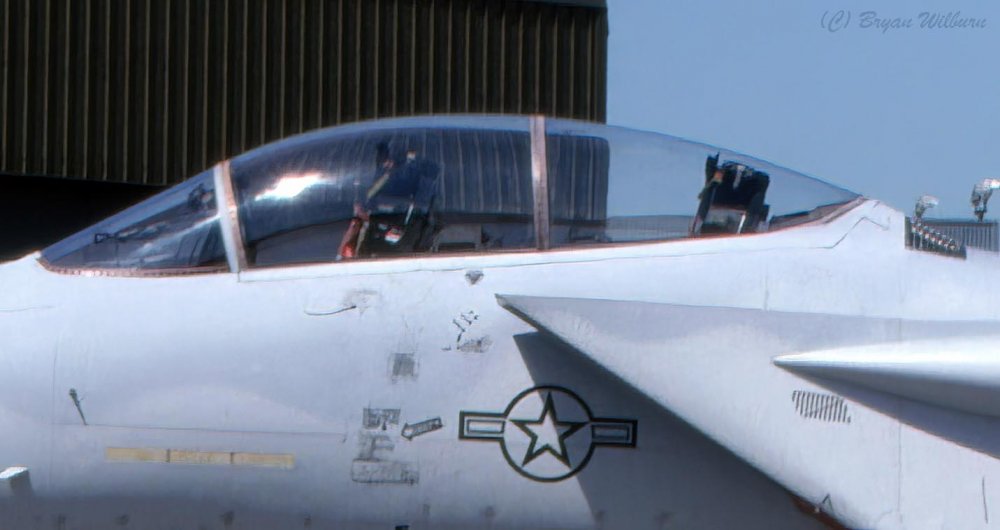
pixel 200 199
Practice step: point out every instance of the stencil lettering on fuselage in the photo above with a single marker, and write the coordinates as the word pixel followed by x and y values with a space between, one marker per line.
pixel 547 433
pixel 380 418
pixel 468 339
pixel 402 366
pixel 374 463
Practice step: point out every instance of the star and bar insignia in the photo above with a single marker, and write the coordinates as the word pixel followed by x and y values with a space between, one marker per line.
pixel 547 433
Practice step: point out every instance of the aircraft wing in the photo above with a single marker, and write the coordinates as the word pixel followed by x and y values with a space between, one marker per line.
pixel 802 425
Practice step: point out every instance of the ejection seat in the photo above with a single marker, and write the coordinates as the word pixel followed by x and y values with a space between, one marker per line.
pixel 732 201
pixel 400 208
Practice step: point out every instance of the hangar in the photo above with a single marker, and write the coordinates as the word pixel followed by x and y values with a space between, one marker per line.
pixel 105 102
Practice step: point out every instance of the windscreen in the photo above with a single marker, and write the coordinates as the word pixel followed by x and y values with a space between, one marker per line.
pixel 176 230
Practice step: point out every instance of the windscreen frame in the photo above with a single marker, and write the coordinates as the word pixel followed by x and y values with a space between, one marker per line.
pixel 95 271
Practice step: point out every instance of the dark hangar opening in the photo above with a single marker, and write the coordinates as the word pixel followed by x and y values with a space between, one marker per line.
pixel 117 99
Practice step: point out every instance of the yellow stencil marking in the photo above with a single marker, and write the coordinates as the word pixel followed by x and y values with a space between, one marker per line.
pixel 209 458
pixel 264 460
pixel 134 454
pixel 212 458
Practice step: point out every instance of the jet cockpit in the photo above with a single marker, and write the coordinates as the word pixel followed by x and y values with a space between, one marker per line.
pixel 436 185
pixel 501 322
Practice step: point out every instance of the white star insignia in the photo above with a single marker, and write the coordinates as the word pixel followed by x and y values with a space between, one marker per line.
pixel 548 434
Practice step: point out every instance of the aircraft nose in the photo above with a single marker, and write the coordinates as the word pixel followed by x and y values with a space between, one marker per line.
pixel 28 330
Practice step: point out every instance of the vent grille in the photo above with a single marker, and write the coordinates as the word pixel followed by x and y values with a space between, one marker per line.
pixel 823 407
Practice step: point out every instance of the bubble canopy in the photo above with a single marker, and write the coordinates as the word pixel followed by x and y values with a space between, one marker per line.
pixel 415 186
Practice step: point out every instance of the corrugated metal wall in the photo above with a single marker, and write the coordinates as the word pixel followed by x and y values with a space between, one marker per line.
pixel 152 91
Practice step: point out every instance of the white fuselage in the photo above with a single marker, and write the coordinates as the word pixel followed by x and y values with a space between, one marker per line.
pixel 280 397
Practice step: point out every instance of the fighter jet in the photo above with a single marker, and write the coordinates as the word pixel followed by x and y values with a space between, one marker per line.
pixel 500 322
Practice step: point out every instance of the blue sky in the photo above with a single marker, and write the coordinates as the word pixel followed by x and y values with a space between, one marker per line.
pixel 890 114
